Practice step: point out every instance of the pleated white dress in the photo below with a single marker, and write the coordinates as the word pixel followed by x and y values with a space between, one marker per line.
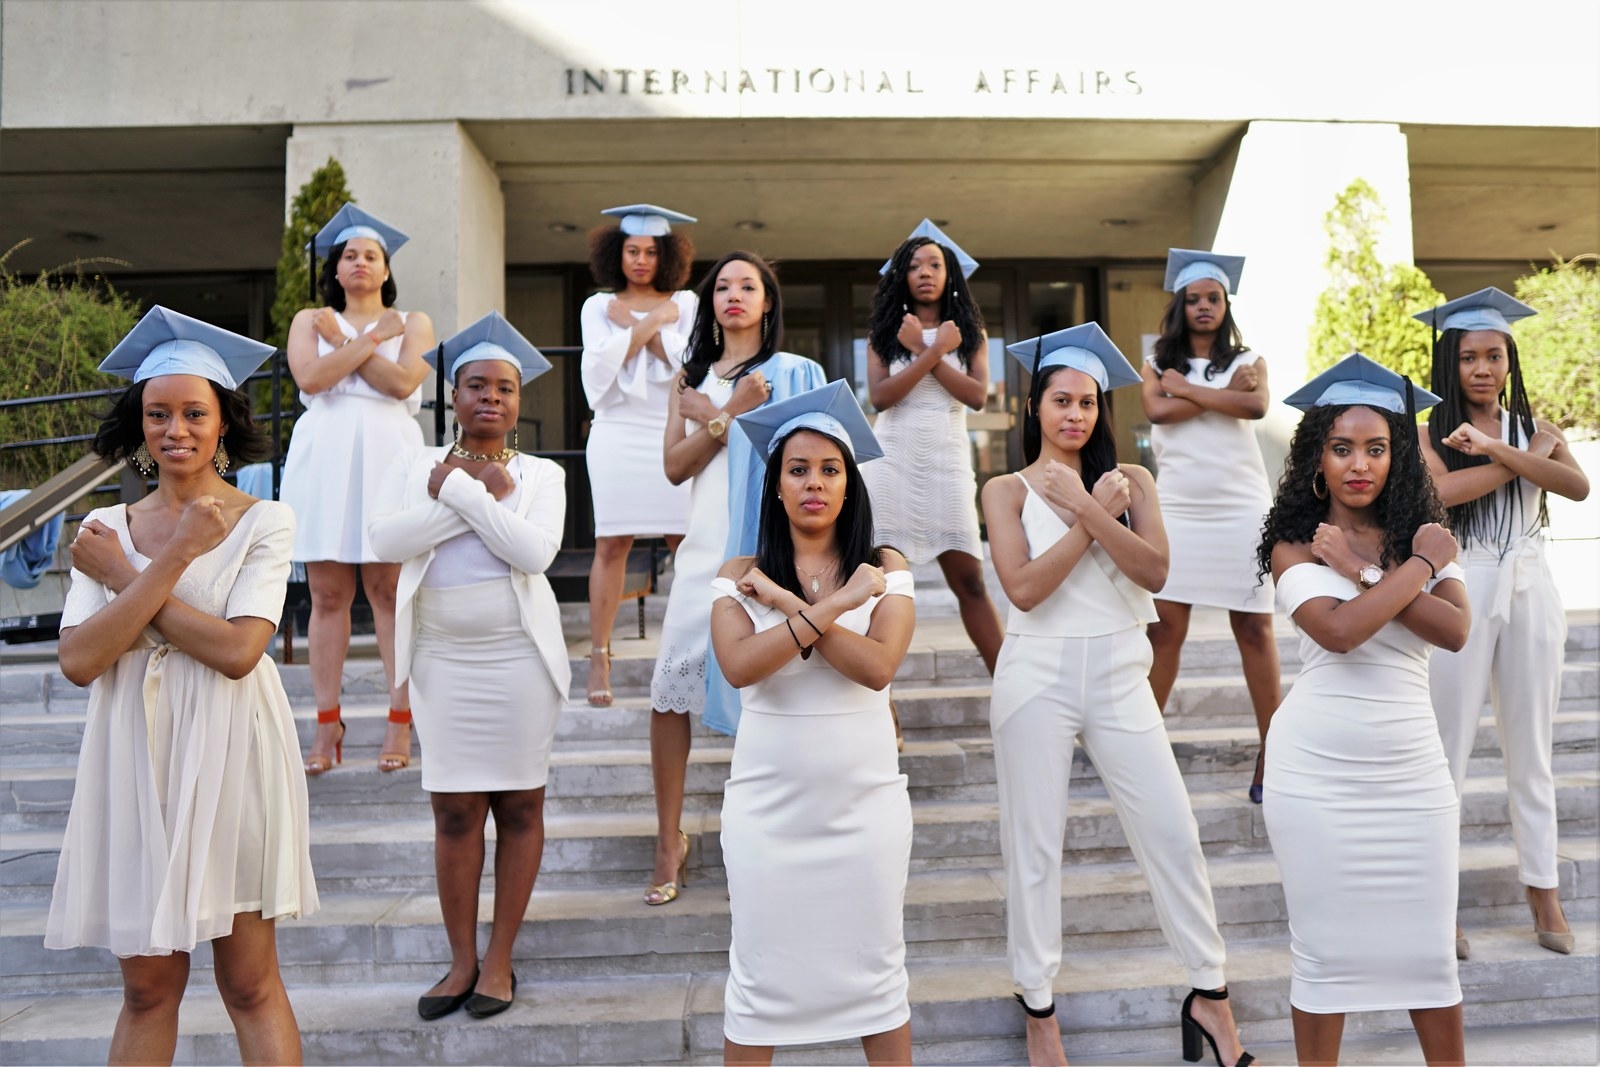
pixel 1214 498
pixel 1363 818
pixel 341 446
pixel 679 682
pixel 189 805
pixel 816 839
pixel 924 494
pixel 626 479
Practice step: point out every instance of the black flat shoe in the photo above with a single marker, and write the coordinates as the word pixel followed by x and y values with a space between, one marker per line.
pixel 438 1007
pixel 481 1007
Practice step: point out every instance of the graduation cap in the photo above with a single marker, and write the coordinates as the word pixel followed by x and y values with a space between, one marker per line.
pixel 1487 309
pixel 348 222
pixel 647 220
pixel 926 228
pixel 491 337
pixel 1085 348
pixel 165 342
pixel 1185 265
pixel 1355 379
pixel 831 410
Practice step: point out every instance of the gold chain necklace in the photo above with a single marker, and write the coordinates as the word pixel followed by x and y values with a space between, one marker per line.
pixel 483 457
pixel 816 579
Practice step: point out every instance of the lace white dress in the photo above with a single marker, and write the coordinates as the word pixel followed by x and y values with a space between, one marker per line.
pixel 190 801
pixel 924 494
pixel 816 839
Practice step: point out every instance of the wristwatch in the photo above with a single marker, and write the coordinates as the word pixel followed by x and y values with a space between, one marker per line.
pixel 1369 576
pixel 719 425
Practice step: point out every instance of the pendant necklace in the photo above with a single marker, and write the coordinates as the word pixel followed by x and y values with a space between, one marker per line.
pixel 816 579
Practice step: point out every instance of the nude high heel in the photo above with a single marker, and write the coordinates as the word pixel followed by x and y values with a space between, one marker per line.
pixel 1562 943
pixel 316 765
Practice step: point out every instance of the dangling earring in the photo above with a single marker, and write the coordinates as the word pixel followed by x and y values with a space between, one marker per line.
pixel 716 333
pixel 1320 494
pixel 515 444
pixel 457 427
pixel 220 460
pixel 764 319
pixel 143 461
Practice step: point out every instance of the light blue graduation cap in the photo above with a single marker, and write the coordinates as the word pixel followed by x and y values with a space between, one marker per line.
pixel 1355 379
pixel 1085 348
pixel 351 221
pixel 165 342
pixel 491 337
pixel 1487 309
pixel 1185 265
pixel 832 410
pixel 646 220
pixel 926 228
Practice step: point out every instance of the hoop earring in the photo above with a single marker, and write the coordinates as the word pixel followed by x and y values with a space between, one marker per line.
pixel 142 461
pixel 220 460
pixel 1321 494
pixel 716 333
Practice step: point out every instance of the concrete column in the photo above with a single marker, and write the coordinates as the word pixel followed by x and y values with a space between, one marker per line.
pixel 1279 182
pixel 430 180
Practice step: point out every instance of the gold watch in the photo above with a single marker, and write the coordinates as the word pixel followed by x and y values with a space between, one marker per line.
pixel 719 425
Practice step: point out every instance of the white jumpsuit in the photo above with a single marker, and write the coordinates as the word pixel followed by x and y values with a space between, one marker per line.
pixel 1079 664
pixel 1512 659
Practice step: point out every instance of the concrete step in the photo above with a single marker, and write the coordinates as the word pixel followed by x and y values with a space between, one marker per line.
pixel 398 936
pixel 598 848
pixel 1109 1002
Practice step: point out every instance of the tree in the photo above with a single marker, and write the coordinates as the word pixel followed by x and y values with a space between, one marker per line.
pixel 1559 347
pixel 1367 306
pixel 54 331
pixel 318 200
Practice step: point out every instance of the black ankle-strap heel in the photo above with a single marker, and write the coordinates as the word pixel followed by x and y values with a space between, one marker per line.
pixel 1037 1013
pixel 1193 1031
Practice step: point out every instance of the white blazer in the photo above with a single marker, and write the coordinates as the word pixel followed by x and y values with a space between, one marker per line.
pixel 407 524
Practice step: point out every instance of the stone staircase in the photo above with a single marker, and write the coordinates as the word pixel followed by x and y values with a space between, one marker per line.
pixel 604 979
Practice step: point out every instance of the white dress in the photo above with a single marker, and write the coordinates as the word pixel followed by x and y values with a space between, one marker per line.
pixel 1363 818
pixel 816 839
pixel 1214 498
pixel 679 682
pixel 340 448
pixel 924 494
pixel 629 486
pixel 190 802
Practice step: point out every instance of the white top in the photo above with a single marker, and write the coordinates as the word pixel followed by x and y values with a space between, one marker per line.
pixel 1095 598
pixel 465 560
pixel 1211 461
pixel 353 384
pixel 638 392
pixel 1523 519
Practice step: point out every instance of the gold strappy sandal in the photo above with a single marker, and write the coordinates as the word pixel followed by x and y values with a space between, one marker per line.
pixel 667 892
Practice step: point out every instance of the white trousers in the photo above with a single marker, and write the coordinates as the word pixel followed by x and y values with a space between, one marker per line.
pixel 1513 659
pixel 1048 691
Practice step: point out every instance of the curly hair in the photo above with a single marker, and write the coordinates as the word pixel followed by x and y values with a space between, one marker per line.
pixel 674 259
pixel 1470 519
pixel 705 344
pixel 1407 501
pixel 122 431
pixel 892 302
pixel 333 292
pixel 852 531
pixel 1173 349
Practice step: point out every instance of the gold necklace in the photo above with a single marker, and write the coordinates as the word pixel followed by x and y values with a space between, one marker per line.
pixel 483 457
pixel 816 579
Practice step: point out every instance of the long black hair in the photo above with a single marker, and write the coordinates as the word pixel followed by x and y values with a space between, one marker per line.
pixel 1174 349
pixel 892 302
pixel 1098 454
pixel 122 431
pixel 1407 501
pixel 333 292
pixel 705 344
pixel 674 259
pixel 1470 519
pixel 774 543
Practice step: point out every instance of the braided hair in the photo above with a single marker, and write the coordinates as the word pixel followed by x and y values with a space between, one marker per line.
pixel 892 302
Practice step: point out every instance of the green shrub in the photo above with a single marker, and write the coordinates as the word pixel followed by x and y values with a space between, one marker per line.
pixel 1560 346
pixel 318 200
pixel 54 331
